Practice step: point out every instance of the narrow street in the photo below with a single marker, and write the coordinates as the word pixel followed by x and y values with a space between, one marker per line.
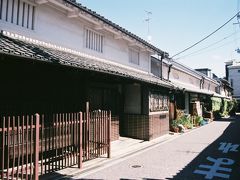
pixel 186 157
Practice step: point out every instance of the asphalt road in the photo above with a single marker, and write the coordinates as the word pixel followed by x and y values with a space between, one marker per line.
pixel 209 152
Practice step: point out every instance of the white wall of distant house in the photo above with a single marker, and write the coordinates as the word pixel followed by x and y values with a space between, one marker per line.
pixel 234 79
pixel 181 76
pixel 53 26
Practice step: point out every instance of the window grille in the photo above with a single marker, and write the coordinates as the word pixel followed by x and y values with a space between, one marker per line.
pixel 94 41
pixel 134 56
pixel 158 102
pixel 17 12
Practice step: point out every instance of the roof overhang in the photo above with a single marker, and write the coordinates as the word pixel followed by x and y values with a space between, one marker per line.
pixel 15 45
pixel 190 88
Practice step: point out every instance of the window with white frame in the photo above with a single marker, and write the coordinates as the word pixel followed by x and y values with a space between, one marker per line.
pixel 17 12
pixel 94 41
pixel 134 56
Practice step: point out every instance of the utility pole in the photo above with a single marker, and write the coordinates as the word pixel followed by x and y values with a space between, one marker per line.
pixel 237 23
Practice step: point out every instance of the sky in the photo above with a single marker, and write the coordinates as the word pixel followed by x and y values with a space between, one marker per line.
pixel 178 24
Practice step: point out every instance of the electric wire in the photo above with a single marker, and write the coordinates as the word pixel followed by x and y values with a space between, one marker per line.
pixel 213 44
pixel 206 36
pixel 230 42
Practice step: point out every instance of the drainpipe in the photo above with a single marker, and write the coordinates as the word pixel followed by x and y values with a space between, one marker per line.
pixel 202 82
pixel 162 57
pixel 169 70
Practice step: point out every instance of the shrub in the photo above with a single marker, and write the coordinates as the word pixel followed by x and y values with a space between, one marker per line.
pixel 185 120
pixel 198 120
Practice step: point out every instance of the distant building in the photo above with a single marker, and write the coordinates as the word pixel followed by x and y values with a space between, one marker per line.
pixel 233 76
pixel 206 71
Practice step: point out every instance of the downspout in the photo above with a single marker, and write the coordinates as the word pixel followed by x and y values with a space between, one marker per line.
pixel 202 82
pixel 169 70
pixel 162 57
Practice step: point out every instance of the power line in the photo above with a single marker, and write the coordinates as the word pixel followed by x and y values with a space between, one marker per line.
pixel 197 51
pixel 206 36
pixel 229 42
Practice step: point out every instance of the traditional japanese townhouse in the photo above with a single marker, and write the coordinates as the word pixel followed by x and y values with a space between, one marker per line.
pixel 193 88
pixel 56 55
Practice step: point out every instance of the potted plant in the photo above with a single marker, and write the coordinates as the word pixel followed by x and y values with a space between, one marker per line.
pixel 198 120
pixel 174 126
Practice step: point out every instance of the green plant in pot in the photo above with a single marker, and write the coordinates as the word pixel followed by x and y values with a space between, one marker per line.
pixel 198 120
pixel 174 126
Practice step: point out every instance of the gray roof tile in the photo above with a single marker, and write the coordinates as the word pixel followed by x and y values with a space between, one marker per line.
pixel 17 47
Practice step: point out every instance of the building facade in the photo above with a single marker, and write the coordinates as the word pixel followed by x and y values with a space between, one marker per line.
pixel 69 55
pixel 233 76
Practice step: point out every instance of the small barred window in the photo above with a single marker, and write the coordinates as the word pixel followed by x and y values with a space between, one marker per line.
pixel 94 41
pixel 17 12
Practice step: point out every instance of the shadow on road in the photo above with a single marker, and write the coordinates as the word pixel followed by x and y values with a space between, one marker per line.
pixel 211 154
pixel 230 135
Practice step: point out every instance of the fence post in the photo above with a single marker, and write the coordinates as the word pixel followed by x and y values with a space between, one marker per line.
pixel 109 135
pixel 87 133
pixel 36 147
pixel 80 160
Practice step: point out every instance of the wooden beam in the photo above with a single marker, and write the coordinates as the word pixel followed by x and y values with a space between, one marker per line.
pixel 132 43
pixel 89 19
pixel 41 1
pixel 118 37
pixel 62 5
pixel 73 14
pixel 99 27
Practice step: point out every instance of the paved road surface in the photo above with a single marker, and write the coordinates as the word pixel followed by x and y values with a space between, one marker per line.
pixel 210 152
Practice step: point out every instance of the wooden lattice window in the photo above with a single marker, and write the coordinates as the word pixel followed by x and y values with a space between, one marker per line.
pixel 94 41
pixel 17 12
pixel 158 102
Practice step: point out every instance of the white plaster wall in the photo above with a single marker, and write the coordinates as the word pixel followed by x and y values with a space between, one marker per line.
pixel 53 26
pixel 183 77
pixel 209 85
pixel 235 76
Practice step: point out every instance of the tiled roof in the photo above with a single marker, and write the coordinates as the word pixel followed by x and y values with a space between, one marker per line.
pixel 114 25
pixel 39 52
